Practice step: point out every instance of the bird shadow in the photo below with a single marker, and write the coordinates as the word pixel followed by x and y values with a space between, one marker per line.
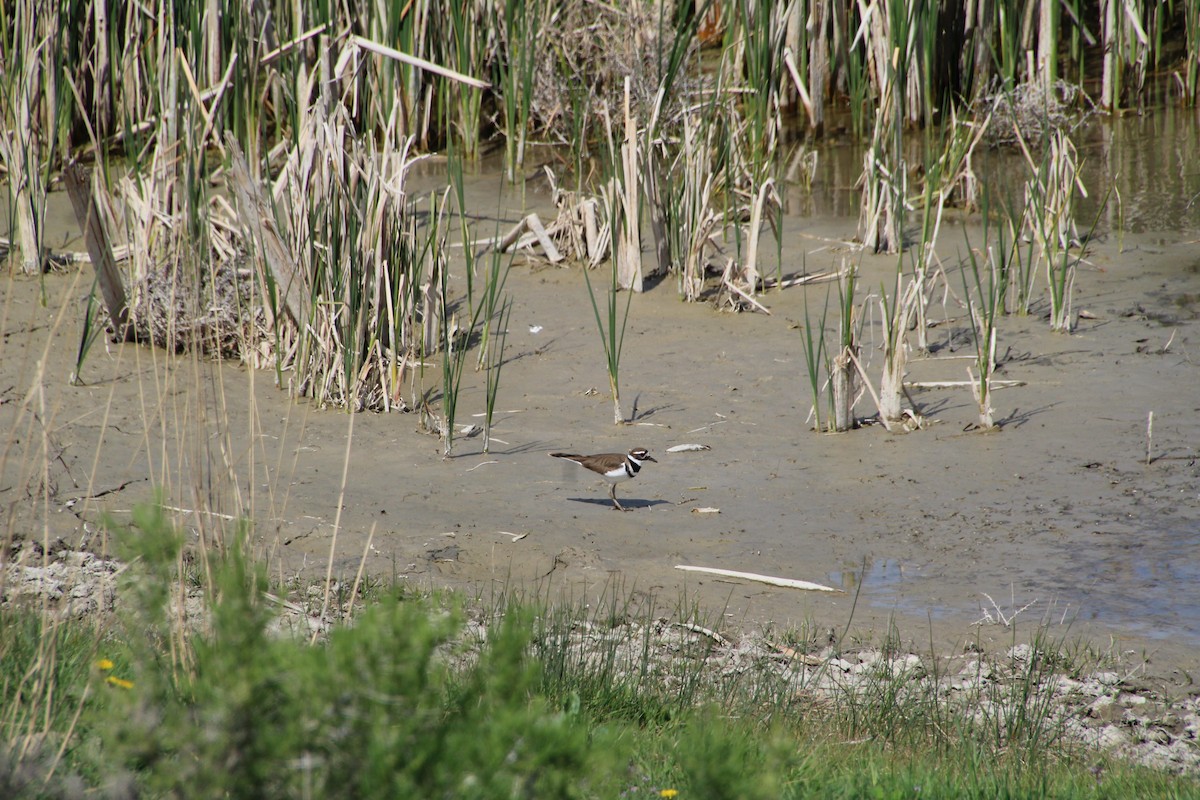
pixel 629 504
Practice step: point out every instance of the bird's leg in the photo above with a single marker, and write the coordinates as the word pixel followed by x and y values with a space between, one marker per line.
pixel 612 492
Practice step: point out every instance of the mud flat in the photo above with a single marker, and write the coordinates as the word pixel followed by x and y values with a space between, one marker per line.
pixel 1057 520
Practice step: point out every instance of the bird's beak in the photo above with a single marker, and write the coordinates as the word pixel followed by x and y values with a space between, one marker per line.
pixel 651 458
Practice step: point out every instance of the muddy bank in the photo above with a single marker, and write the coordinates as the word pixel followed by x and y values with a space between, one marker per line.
pixel 1058 520
pixel 1057 514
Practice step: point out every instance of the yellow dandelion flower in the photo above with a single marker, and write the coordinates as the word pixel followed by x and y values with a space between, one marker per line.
pixel 120 682
pixel 668 793
pixel 104 664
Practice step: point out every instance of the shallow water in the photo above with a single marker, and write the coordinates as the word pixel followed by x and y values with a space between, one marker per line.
pixel 1141 577
pixel 1151 162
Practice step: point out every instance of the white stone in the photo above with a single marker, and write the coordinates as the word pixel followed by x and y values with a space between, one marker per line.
pixel 1111 737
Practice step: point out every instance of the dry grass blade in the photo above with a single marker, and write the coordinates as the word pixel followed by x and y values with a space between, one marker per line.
pixel 417 61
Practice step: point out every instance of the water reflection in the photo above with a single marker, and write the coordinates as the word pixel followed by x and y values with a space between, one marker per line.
pixel 1150 161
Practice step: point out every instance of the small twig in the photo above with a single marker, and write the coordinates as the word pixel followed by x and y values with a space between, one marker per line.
pixel 1149 438
pixel 1167 346
pixel 818 277
pixel 1000 618
pixel 957 384
pixel 358 577
pixel 694 628
pixel 199 511
pixel 288 47
pixel 747 297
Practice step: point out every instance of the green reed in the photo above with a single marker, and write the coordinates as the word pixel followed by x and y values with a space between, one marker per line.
pixel 1050 197
pixel 91 330
pixel 494 351
pixel 1016 263
pixel 611 326
pixel 454 171
pixel 688 216
pixel 858 84
pixel 761 28
pixel 1191 70
pixel 520 22
pixel 1008 52
pixel 990 290
pixel 467 53
pixel 813 347
pixel 897 313
pixel 842 366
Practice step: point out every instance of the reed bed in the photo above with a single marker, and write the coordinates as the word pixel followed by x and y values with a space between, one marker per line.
pixel 320 265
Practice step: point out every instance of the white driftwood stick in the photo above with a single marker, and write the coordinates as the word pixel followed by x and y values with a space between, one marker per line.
pixel 416 61
pixel 747 297
pixel 501 242
pixel 753 576
pixel 512 236
pixel 534 222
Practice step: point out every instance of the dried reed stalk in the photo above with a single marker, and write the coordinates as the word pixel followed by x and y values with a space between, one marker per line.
pixel 18 152
pixel 697 218
pixel 896 319
pixel 20 145
pixel 766 194
pixel 87 211
pixel 842 384
pixel 276 267
pixel 629 251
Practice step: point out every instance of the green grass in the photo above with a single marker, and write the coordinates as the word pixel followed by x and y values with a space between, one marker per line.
pixel 559 703
pixel 611 326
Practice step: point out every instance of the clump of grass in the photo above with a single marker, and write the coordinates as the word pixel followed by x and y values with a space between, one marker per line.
pixel 395 703
pixel 984 309
pixel 578 700
pixel 495 362
pixel 758 33
pixel 813 347
pixel 896 315
pixel 948 173
pixel 842 366
pixel 1016 263
pixel 1050 196
pixel 688 216
pixel 611 327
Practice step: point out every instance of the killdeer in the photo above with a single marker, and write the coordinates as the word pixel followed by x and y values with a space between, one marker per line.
pixel 613 467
